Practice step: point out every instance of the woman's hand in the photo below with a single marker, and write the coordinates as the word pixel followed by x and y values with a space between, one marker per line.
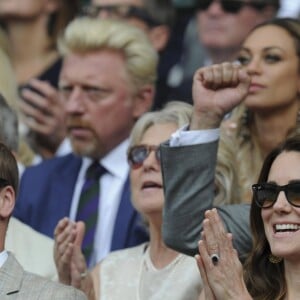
pixel 217 89
pixel 218 262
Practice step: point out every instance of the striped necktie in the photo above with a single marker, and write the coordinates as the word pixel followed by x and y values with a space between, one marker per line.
pixel 88 207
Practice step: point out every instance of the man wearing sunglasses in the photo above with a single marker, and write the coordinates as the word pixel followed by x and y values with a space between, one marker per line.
pixel 154 17
pixel 215 35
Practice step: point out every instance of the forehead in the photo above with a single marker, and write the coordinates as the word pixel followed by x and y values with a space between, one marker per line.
pixel 92 67
pixel 286 167
pixel 118 2
pixel 270 35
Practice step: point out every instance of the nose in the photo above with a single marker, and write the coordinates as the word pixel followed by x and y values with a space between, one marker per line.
pixel 215 7
pixel 282 205
pixel 254 66
pixel 74 102
pixel 151 161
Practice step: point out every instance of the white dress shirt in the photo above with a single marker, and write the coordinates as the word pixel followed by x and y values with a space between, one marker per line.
pixel 184 137
pixel 111 186
pixel 3 257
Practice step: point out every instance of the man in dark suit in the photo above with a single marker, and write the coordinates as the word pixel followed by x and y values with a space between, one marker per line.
pixel 15 282
pixel 107 83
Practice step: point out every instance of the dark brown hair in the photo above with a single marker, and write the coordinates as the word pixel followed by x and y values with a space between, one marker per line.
pixel 266 280
pixel 67 10
pixel 8 168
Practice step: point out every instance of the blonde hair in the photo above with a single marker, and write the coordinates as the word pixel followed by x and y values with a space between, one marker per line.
pixel 87 34
pixel 9 90
pixel 176 112
pixel 239 160
pixel 8 83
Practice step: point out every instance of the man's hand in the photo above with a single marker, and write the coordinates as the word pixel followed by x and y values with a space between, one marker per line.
pixel 217 89
pixel 67 236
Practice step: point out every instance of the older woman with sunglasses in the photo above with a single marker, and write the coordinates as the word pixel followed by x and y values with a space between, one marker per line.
pixel 151 270
pixel 272 268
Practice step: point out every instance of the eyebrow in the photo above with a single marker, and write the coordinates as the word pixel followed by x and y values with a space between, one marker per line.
pixel 265 49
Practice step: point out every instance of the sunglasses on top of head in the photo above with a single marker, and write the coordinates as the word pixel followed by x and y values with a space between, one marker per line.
pixel 231 6
pixel 121 12
pixel 138 154
pixel 266 194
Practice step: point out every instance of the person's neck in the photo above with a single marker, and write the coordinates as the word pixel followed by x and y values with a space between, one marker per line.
pixel 160 254
pixel 292 277
pixel 30 46
pixel 272 128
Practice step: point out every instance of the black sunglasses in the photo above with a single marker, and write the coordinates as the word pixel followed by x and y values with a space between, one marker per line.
pixel 138 154
pixel 121 12
pixel 266 194
pixel 230 6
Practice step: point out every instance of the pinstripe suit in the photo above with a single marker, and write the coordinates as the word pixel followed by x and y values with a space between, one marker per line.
pixel 15 283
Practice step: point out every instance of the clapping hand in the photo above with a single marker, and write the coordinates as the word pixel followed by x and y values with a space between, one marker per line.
pixel 218 262
pixel 69 260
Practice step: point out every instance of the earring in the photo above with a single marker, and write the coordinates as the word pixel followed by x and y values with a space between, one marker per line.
pixel 274 259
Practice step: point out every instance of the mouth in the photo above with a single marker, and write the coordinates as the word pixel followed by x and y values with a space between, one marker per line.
pixel 151 185
pixel 78 131
pixel 255 87
pixel 285 228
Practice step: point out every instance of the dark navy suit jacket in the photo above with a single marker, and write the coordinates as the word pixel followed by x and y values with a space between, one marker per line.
pixel 45 196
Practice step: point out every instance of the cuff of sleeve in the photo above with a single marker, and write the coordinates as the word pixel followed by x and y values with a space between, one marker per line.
pixel 185 137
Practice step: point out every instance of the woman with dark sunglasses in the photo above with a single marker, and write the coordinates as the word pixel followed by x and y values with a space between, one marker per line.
pixel 272 268
pixel 270 60
pixel 151 270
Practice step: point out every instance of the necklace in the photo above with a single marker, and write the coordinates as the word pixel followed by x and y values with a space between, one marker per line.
pixel 152 280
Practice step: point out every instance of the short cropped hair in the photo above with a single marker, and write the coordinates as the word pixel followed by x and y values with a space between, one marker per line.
pixel 8 167
pixel 85 35
pixel 176 112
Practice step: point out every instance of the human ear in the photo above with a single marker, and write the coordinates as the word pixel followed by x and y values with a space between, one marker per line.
pixel 159 37
pixel 143 100
pixel 7 201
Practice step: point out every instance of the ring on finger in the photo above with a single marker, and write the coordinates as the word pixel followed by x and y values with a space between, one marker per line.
pixel 215 258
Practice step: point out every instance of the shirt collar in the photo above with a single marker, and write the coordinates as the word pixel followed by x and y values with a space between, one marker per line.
pixel 115 161
pixel 3 257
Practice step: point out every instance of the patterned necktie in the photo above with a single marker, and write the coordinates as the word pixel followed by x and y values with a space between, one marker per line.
pixel 88 207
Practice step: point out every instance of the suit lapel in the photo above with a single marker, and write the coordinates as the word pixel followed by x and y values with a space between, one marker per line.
pixel 62 188
pixel 123 219
pixel 11 276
